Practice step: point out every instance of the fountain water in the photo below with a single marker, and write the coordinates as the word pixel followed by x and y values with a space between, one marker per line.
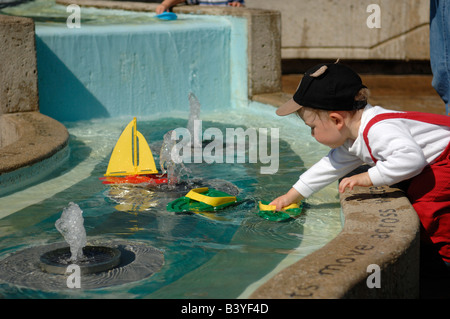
pixel 70 225
pixel 138 261
pixel 194 115
pixel 102 263
pixel 90 259
pixel 170 161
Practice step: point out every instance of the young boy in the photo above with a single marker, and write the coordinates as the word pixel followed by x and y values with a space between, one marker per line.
pixel 398 146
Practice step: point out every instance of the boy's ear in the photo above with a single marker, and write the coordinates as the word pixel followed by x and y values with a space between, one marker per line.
pixel 337 118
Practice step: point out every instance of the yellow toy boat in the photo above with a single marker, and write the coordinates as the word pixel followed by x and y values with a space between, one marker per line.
pixel 202 199
pixel 132 160
pixel 269 212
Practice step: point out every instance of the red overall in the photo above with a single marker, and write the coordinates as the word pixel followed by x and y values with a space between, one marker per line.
pixel 428 192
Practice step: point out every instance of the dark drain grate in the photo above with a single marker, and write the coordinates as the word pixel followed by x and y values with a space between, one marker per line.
pixel 138 260
pixel 96 259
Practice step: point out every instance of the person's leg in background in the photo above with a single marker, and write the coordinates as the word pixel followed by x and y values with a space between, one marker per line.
pixel 440 49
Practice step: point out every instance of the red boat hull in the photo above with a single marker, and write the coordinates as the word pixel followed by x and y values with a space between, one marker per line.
pixel 135 179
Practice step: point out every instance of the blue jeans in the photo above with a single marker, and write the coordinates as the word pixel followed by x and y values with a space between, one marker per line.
pixel 440 48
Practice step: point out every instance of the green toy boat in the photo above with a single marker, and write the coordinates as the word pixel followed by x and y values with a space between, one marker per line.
pixel 200 200
pixel 268 212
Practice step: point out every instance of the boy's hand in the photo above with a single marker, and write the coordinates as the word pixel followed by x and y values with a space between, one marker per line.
pixel 161 8
pixel 280 202
pixel 362 179
pixel 285 200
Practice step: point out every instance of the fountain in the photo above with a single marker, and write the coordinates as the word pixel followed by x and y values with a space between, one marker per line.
pixel 70 225
pixel 194 115
pixel 170 162
pixel 102 263
pixel 90 259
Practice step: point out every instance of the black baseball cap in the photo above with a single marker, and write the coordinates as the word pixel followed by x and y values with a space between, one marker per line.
pixel 330 87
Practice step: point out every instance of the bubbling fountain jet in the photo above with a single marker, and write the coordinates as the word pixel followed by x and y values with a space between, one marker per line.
pixel 172 163
pixel 102 264
pixel 194 115
pixel 90 259
pixel 71 226
pixel 174 167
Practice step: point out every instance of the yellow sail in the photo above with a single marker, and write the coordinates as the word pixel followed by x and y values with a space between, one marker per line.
pixel 131 155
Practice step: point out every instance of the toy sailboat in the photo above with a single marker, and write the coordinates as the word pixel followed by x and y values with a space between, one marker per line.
pixel 132 160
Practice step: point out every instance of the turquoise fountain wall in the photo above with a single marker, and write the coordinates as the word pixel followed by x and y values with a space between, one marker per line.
pixel 116 70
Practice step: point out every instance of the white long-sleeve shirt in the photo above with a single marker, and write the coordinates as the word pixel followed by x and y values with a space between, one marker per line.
pixel 402 147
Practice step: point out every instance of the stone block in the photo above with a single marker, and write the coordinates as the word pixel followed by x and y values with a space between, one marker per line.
pixel 18 69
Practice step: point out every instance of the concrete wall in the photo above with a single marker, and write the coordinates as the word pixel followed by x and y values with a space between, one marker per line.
pixel 18 71
pixel 330 29
pixel 27 137
pixel 264 37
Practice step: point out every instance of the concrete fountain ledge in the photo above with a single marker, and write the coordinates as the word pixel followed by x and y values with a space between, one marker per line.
pixel 31 144
pixel 33 137
pixel 381 229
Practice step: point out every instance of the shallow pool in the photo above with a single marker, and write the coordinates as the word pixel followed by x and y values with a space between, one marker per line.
pixel 223 255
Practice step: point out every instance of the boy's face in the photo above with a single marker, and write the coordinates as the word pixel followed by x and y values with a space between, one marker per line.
pixel 324 128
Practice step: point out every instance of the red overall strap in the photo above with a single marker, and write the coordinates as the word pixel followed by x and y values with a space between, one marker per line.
pixel 430 118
